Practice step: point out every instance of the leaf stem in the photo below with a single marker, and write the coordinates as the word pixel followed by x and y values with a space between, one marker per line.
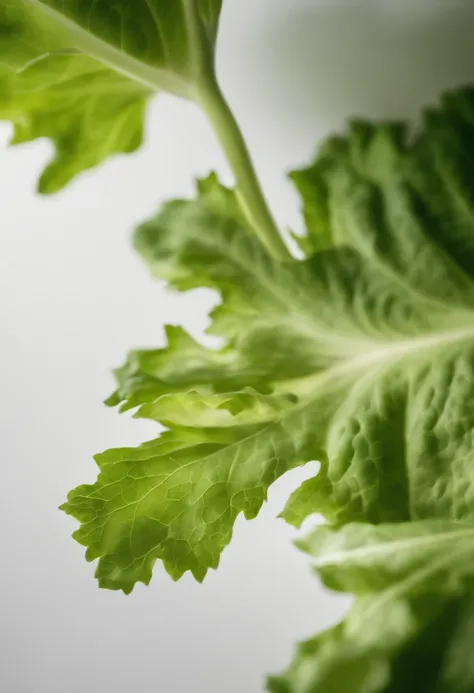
pixel 250 194
pixel 209 96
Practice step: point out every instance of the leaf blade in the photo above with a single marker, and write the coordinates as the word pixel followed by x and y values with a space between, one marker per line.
pixel 175 500
pixel 82 74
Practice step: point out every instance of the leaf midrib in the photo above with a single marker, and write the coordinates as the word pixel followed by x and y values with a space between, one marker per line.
pixel 306 321
pixel 389 352
pixel 404 586
pixel 383 548
pixel 153 78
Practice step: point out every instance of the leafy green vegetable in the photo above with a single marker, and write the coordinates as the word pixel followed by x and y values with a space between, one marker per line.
pixel 176 498
pixel 360 356
pixel 412 625
pixel 404 647
pixel 427 556
pixel 180 366
pixel 412 618
pixel 80 72
pixel 417 420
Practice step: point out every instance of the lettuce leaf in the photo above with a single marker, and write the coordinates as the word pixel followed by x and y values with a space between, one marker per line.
pixel 407 646
pixel 412 624
pixel 176 498
pixel 80 72
pixel 418 557
pixel 360 357
pixel 413 621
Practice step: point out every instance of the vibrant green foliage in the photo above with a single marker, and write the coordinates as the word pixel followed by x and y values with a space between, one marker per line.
pixel 81 72
pixel 412 624
pixel 360 356
pixel 388 645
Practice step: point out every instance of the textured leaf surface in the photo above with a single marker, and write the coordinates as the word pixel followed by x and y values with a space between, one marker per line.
pixel 176 499
pixel 401 206
pixel 407 210
pixel 181 366
pixel 360 356
pixel 81 72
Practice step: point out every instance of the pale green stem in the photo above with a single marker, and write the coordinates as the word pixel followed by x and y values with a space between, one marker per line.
pixel 209 96
pixel 249 191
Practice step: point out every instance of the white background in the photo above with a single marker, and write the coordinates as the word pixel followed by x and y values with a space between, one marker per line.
pixel 74 298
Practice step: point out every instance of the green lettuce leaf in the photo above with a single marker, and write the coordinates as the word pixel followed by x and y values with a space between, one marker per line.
pixel 81 72
pixel 406 206
pixel 406 647
pixel 176 498
pixel 359 356
pixel 181 366
pixel 411 558
pixel 407 632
